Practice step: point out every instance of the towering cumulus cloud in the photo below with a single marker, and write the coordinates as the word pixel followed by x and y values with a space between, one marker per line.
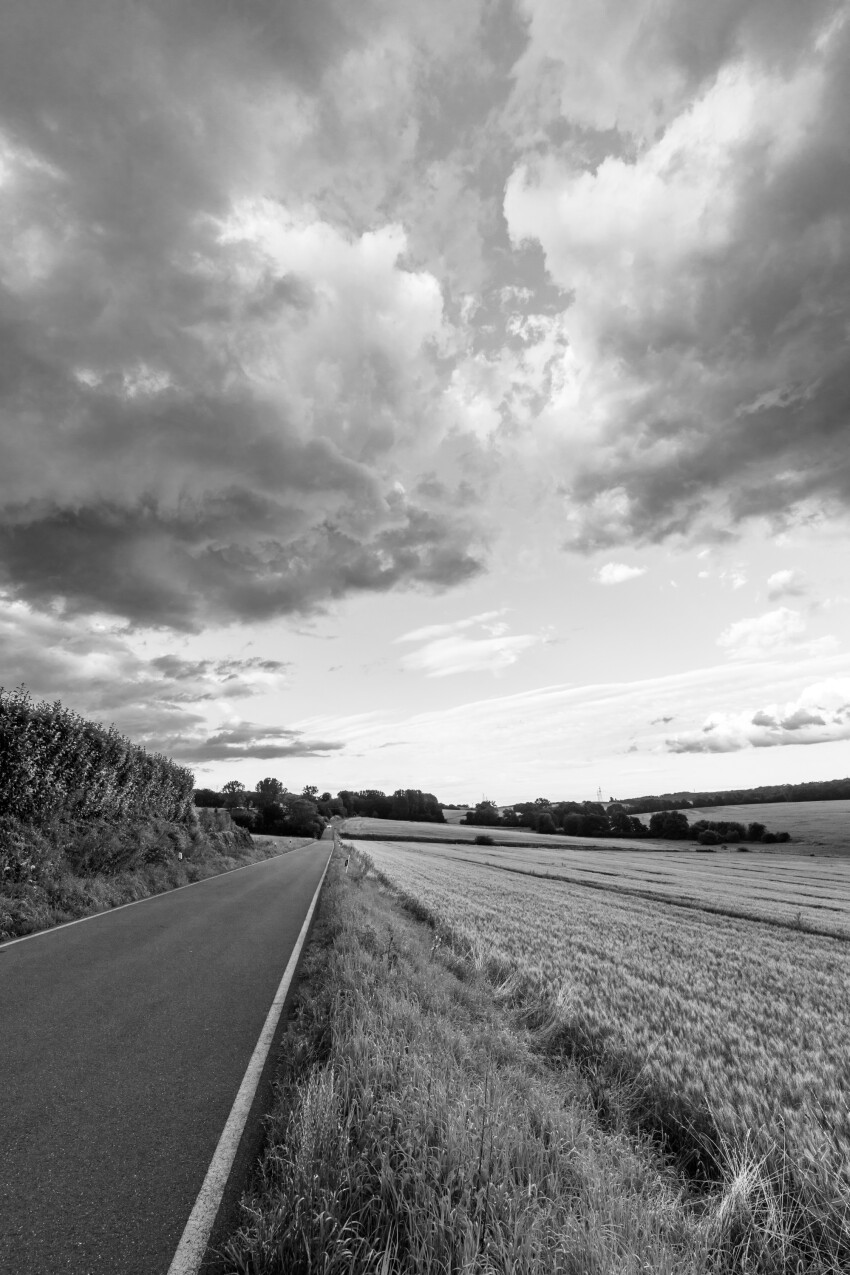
pixel 210 397
pixel 700 217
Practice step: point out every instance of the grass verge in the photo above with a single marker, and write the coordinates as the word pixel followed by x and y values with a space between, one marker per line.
pixel 419 1126
pixel 49 876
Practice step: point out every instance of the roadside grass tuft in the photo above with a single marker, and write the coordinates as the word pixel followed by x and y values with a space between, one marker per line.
pixel 419 1127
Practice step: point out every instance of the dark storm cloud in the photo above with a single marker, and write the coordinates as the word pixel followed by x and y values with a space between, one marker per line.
pixel 710 260
pixel 188 433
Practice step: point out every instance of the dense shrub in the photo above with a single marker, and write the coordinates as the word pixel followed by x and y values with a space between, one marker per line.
pixel 671 825
pixel 483 840
pixel 55 763
pixel 249 819
pixel 291 817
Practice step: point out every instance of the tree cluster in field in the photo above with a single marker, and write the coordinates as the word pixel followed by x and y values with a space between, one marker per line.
pixel 768 794
pixel 270 808
pixel 591 819
pixel 55 764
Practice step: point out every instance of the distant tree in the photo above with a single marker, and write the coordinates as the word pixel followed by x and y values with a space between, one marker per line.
pixel 485 813
pixel 231 791
pixel 672 825
pixel 401 805
pixel 208 797
pixel 546 823
pixel 310 791
pixel 269 789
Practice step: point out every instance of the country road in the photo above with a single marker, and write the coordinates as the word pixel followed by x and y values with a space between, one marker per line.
pixel 123 1042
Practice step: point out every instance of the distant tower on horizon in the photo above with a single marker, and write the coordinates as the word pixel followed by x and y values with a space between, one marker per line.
pixel 598 794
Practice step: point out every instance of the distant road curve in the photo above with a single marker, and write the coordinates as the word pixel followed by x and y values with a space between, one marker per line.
pixel 124 1041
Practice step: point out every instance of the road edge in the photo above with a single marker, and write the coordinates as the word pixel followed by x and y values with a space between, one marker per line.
pixel 191 1250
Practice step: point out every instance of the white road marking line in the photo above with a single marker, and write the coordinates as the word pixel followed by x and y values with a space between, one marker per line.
pixel 51 929
pixel 193 1243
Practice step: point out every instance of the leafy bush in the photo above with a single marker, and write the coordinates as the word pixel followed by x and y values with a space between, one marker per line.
pixel 291 817
pixel 27 857
pixel 708 838
pixel 54 763
pixel 483 840
pixel 249 819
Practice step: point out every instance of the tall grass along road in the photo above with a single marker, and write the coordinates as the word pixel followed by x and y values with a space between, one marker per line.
pixel 124 1041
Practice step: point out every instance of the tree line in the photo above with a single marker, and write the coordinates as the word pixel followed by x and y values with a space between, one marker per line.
pixel 814 790
pixel 272 809
pixel 592 819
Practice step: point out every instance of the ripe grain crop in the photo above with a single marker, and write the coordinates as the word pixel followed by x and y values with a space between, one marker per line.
pixel 791 890
pixel 727 1026
pixel 417 1132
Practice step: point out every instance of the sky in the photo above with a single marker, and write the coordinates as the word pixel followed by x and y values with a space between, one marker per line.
pixel 449 396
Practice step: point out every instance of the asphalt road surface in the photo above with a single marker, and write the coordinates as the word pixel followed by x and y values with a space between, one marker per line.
pixel 123 1042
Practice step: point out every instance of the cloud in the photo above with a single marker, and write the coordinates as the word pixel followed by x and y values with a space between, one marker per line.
pixel 706 247
pixel 248 740
pixel 590 730
pixel 763 635
pixel 448 649
pixel 430 631
pixel 161 701
pixel 771 634
pixel 209 392
pixel 617 572
pixel 786 584
pixel 445 656
pixel 820 715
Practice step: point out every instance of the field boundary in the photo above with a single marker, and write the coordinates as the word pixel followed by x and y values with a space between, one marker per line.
pixel 661 847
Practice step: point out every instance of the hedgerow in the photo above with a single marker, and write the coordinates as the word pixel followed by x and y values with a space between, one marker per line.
pixel 54 763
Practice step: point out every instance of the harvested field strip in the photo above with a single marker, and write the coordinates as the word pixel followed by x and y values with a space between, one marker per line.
pixel 725 1025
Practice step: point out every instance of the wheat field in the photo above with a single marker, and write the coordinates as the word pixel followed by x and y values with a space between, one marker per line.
pixel 803 893
pixel 729 1023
